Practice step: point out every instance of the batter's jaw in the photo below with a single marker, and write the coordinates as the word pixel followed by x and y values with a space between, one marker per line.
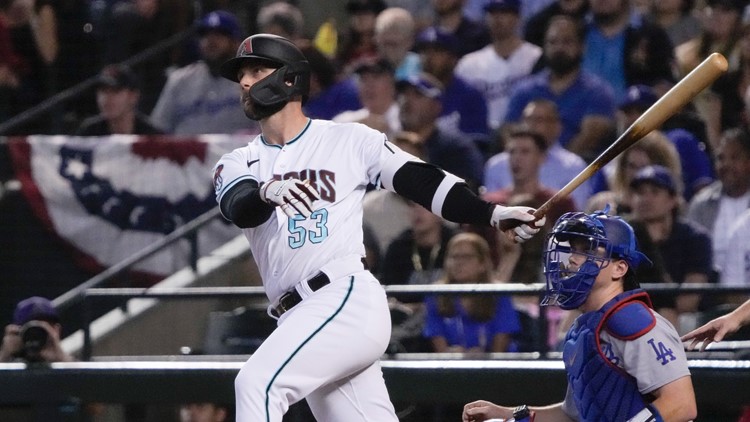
pixel 248 107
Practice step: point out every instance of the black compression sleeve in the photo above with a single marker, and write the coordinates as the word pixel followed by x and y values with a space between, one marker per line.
pixel 243 207
pixel 420 181
pixel 465 207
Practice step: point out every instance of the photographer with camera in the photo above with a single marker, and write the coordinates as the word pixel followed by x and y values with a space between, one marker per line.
pixel 34 337
pixel 34 334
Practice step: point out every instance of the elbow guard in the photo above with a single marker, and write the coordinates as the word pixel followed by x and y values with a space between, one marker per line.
pixel 243 207
pixel 420 182
pixel 442 193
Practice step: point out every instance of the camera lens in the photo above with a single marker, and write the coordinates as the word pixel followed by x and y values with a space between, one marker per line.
pixel 34 337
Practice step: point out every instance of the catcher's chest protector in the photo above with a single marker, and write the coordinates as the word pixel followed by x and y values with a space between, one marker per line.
pixel 602 391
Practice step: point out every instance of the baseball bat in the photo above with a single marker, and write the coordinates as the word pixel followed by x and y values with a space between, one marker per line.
pixel 671 102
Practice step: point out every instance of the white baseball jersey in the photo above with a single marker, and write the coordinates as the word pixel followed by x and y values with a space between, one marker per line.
pixel 495 76
pixel 327 347
pixel 340 160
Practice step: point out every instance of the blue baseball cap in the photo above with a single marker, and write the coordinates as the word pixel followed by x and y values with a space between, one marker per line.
pixel 436 37
pixel 424 83
pixel 640 96
pixel 221 21
pixel 656 175
pixel 503 6
pixel 35 308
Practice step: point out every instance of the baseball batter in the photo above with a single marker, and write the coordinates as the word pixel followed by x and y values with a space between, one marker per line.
pixel 296 190
pixel 624 361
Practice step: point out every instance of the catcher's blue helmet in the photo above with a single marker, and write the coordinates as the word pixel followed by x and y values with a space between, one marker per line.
pixel 596 236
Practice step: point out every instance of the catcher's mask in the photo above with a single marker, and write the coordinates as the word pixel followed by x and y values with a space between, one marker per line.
pixel 291 77
pixel 597 237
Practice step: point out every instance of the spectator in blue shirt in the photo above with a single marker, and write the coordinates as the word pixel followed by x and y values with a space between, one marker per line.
pixel 586 102
pixel 625 49
pixel 469 323
pixel 330 92
pixel 464 114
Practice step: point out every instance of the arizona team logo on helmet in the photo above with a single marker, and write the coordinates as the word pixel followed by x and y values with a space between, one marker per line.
pixel 271 49
pixel 599 238
pixel 291 77
pixel 246 48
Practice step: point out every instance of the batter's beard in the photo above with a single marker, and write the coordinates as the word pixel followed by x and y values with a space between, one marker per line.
pixel 255 112
pixel 248 107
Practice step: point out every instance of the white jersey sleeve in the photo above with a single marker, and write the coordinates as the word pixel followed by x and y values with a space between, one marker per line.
pixel 340 161
pixel 233 168
pixel 393 159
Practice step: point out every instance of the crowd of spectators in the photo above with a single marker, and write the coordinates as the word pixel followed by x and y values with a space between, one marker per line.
pixel 515 97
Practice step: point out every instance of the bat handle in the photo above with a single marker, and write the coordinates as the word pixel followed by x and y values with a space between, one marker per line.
pixel 512 223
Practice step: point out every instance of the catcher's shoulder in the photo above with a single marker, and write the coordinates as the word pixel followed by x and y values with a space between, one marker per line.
pixel 631 321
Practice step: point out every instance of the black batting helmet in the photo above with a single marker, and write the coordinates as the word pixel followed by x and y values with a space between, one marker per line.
pixel 272 92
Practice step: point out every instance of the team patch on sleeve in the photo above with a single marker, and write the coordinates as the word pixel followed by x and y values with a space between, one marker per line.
pixel 631 321
pixel 218 180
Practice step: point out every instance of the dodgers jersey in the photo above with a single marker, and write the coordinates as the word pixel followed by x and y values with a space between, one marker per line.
pixel 340 160
pixel 653 359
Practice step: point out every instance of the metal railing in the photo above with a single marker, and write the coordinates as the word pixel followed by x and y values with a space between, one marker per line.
pixel 719 384
pixel 188 232
pixel 398 291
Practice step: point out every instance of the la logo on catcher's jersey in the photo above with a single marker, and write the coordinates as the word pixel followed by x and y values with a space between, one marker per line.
pixel 663 353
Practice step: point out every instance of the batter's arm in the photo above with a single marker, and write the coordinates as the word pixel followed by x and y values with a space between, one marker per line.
pixel 242 205
pixel 442 193
pixel 448 196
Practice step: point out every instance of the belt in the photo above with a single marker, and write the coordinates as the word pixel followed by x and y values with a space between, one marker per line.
pixel 291 298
